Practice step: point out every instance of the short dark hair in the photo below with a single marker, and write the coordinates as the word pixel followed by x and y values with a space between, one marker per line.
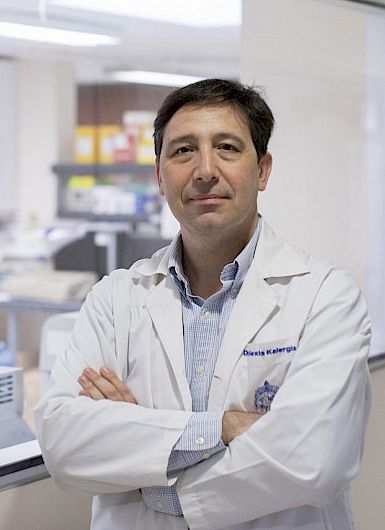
pixel 246 100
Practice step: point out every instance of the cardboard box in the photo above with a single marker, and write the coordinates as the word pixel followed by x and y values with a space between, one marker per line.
pixel 105 142
pixel 138 125
pixel 124 148
pixel 85 144
pixel 145 154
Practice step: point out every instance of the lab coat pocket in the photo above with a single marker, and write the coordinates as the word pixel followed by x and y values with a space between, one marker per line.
pixel 267 365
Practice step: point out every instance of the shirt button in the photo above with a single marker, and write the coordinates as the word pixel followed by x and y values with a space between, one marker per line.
pixel 234 291
pixel 159 504
pixel 200 440
pixel 206 456
pixel 207 314
pixel 200 369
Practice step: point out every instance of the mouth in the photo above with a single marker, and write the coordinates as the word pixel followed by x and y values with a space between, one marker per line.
pixel 207 198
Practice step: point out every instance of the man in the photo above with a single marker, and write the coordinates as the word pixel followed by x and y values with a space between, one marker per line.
pixel 223 382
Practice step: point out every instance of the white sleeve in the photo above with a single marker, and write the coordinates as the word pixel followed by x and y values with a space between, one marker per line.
pixel 101 446
pixel 307 448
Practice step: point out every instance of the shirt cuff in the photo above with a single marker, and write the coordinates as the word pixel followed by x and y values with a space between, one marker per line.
pixel 162 499
pixel 200 440
pixel 203 431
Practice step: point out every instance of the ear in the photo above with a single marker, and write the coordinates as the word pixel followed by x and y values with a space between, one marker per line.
pixel 159 178
pixel 265 165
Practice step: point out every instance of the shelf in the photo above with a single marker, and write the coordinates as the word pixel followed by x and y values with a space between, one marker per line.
pixel 118 175
pixel 101 169
pixel 116 218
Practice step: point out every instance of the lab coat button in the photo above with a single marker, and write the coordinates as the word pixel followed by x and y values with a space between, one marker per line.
pixel 200 440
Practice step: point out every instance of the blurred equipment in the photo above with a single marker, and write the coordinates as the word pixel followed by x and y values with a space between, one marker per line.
pixel 13 429
pixel 30 248
pixel 6 356
pixel 55 286
pixel 101 251
pixel 15 306
pixel 55 336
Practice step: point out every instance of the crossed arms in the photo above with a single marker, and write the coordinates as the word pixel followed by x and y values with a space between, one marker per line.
pixel 105 384
pixel 306 449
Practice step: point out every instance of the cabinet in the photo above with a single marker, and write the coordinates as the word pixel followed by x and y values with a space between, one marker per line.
pixel 127 193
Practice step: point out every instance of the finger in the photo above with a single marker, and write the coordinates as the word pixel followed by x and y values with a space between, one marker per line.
pixel 108 390
pixel 121 387
pixel 89 387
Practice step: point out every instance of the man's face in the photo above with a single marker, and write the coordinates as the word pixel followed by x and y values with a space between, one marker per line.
pixel 209 171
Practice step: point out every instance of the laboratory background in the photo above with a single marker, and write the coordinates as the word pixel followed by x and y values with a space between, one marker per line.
pixel 80 83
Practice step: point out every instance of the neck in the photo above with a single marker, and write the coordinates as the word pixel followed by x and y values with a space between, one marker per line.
pixel 205 257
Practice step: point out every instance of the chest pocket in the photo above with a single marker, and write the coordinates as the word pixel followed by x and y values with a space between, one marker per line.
pixel 269 360
pixel 263 368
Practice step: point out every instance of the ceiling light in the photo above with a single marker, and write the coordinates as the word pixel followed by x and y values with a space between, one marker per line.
pixel 55 36
pixel 142 77
pixel 199 13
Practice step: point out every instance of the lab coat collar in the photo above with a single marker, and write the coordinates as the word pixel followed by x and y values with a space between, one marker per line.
pixel 274 258
pixel 255 304
pixel 158 264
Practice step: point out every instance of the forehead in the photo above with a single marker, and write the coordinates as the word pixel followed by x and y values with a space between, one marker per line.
pixel 206 119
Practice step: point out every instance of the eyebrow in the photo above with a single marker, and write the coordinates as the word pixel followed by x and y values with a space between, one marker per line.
pixel 190 138
pixel 187 138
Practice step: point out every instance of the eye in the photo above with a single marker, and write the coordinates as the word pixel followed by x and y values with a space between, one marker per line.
pixel 228 147
pixel 184 149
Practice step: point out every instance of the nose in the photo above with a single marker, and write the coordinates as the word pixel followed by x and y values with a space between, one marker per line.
pixel 205 170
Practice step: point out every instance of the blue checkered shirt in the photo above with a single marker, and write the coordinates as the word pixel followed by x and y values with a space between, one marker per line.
pixel 204 324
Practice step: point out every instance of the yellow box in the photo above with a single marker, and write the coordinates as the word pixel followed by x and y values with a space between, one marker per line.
pixel 85 144
pixel 81 181
pixel 145 154
pixel 146 133
pixel 105 149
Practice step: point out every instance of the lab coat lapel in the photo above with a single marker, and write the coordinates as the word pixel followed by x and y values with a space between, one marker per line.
pixel 255 305
pixel 163 304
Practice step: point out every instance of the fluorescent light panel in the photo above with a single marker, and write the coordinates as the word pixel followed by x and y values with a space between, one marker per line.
pixel 63 37
pixel 199 13
pixel 153 78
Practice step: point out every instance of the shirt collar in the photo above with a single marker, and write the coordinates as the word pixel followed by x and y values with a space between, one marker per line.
pixel 175 264
pixel 234 271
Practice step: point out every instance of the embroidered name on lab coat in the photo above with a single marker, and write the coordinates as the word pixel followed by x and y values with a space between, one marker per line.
pixel 269 351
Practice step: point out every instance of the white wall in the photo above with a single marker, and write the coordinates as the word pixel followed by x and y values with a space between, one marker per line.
pixel 46 121
pixel 375 129
pixel 313 57
pixel 310 57
pixel 8 119
pixel 368 488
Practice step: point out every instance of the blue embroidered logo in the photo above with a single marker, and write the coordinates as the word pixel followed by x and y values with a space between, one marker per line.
pixel 264 396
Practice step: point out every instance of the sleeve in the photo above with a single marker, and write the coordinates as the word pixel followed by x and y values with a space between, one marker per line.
pixel 203 431
pixel 200 440
pixel 307 448
pixel 101 446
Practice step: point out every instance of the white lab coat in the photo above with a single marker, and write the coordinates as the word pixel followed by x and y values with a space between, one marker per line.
pixel 291 470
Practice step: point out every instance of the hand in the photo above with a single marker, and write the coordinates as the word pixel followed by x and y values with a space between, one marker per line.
pixel 104 385
pixel 236 422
